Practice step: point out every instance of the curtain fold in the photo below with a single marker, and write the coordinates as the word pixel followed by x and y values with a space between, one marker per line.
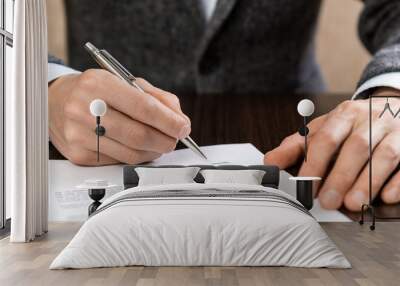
pixel 26 121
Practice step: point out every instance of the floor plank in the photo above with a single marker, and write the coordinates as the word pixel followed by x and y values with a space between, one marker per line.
pixel 375 257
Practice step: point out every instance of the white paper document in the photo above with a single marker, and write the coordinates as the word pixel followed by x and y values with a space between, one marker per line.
pixel 66 203
pixel 317 211
pixel 238 154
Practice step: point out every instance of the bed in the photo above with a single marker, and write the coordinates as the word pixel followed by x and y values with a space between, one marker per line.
pixel 201 224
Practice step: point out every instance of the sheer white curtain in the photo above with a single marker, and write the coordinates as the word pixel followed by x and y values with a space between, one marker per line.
pixel 26 123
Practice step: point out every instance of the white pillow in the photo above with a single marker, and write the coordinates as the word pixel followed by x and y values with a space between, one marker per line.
pixel 166 176
pixel 248 177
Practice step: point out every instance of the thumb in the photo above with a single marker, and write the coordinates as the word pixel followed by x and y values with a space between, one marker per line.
pixel 287 153
pixel 292 147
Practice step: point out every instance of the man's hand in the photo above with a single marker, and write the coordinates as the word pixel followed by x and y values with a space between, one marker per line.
pixel 344 134
pixel 139 126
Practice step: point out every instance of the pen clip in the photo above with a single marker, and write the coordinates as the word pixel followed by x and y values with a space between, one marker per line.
pixel 117 65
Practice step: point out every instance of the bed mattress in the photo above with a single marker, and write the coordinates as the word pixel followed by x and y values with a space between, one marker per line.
pixel 201 225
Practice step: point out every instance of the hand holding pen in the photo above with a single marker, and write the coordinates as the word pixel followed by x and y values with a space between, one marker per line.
pixel 109 63
pixel 140 125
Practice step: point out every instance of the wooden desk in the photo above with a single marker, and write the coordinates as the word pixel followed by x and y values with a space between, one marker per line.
pixel 260 119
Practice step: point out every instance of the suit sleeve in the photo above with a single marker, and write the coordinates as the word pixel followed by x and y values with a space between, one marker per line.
pixel 379 30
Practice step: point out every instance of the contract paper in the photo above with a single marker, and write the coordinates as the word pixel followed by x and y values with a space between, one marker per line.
pixel 66 203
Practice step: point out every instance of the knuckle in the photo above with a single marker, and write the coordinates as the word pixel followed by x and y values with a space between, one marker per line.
pixel 389 152
pixel 288 139
pixel 343 177
pixel 177 100
pixel 178 122
pixel 137 135
pixel 169 145
pixel 376 113
pixel 345 106
pixel 87 80
pixel 141 80
pixel 131 133
pixel 347 109
pixel 71 109
pixel 360 141
pixel 71 135
pixel 326 138
pixel 148 87
pixel 149 107
pixel 174 99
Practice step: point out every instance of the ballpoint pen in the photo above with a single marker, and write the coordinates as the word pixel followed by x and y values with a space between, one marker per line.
pixel 109 63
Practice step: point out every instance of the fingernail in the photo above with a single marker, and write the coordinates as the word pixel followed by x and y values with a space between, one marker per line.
pixel 330 199
pixel 185 131
pixel 359 197
pixel 392 195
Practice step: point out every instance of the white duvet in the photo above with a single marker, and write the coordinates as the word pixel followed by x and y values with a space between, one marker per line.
pixel 188 231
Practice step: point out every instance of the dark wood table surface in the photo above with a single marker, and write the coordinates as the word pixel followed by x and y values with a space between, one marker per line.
pixel 263 120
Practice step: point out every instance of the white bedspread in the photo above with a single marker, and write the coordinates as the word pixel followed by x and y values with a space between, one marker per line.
pixel 183 231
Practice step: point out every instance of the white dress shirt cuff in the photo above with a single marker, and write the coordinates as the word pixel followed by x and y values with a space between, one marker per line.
pixel 57 70
pixel 384 80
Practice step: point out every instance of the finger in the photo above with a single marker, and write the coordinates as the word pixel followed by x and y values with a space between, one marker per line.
pixel 169 99
pixel 78 155
pixel 348 166
pixel 83 157
pixel 292 147
pixel 385 159
pixel 287 153
pixel 79 135
pixel 165 97
pixel 135 134
pixel 131 133
pixel 138 105
pixel 391 191
pixel 325 143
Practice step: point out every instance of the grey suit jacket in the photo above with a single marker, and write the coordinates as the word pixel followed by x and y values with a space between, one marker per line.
pixel 249 46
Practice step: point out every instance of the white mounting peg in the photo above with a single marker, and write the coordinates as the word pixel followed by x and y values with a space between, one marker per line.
pixel 305 107
pixel 98 107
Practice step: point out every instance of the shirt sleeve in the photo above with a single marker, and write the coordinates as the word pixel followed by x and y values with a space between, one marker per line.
pixel 391 80
pixel 56 70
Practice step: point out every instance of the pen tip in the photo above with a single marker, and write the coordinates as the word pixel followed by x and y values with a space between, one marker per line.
pixel 204 156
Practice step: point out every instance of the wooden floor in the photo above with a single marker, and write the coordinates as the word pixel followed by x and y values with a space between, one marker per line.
pixel 375 257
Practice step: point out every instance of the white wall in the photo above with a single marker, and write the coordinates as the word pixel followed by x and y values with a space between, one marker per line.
pixel 9 10
pixel 339 50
